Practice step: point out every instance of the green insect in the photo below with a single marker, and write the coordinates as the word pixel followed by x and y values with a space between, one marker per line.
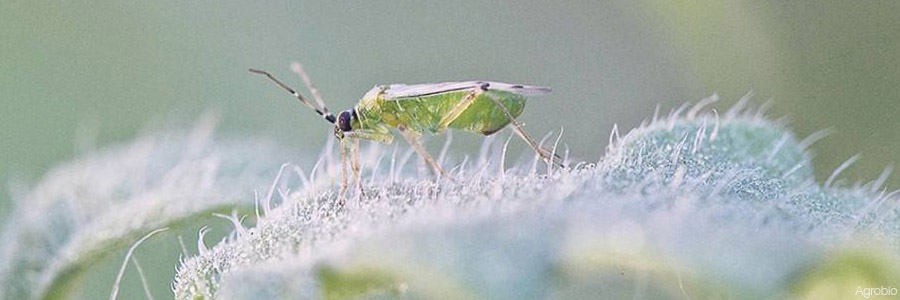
pixel 482 107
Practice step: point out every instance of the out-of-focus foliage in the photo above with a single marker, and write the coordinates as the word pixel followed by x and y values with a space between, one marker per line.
pixel 86 211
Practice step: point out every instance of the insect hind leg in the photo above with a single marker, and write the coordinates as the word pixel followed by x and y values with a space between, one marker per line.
pixel 460 107
pixel 517 128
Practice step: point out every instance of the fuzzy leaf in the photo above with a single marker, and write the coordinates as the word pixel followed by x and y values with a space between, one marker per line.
pixel 698 207
pixel 98 205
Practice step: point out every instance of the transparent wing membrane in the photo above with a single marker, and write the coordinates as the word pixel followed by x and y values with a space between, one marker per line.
pixel 395 91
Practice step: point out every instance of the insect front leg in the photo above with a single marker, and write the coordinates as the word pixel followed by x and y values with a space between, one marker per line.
pixel 354 165
pixel 344 183
pixel 353 144
pixel 517 128
pixel 413 139
pixel 375 136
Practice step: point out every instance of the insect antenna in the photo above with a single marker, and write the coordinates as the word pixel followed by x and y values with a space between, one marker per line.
pixel 322 112
pixel 297 68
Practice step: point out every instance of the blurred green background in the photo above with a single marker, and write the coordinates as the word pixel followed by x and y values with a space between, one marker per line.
pixel 75 76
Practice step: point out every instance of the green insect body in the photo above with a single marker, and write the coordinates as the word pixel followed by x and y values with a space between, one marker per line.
pixel 424 113
pixel 477 106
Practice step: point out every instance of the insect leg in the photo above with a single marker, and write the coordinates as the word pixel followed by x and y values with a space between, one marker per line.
pixel 517 127
pixel 457 110
pixel 344 183
pixel 381 137
pixel 413 141
pixel 354 165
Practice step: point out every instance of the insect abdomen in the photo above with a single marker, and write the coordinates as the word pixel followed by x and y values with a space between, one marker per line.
pixel 484 117
pixel 425 113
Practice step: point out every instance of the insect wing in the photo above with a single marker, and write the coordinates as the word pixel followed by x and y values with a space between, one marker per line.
pixel 524 90
pixel 399 91
pixel 426 89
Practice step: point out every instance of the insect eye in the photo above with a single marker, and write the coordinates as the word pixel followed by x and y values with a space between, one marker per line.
pixel 344 121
